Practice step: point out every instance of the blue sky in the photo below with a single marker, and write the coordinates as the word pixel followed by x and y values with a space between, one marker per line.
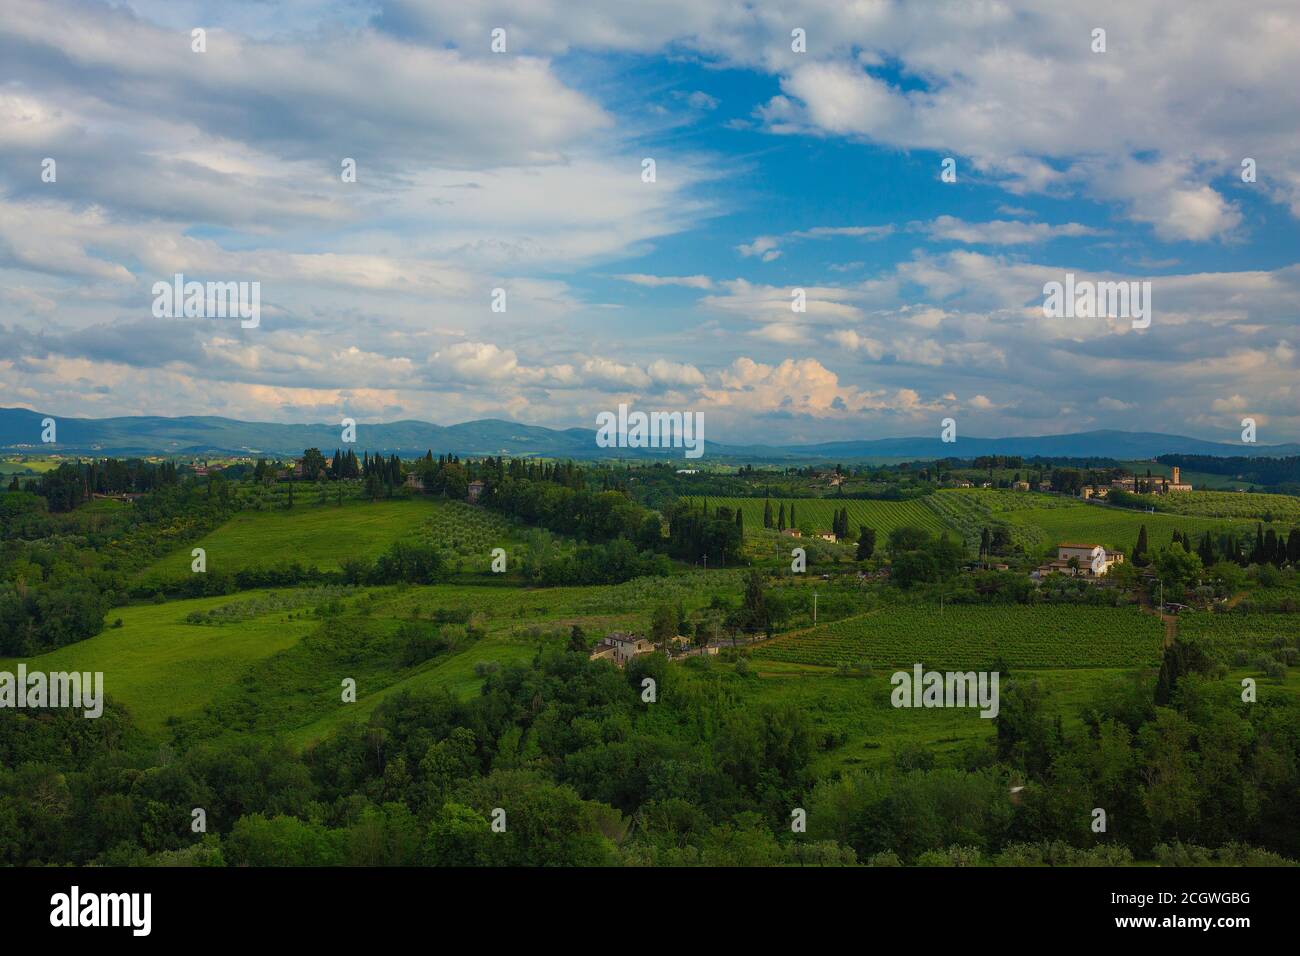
pixel 776 170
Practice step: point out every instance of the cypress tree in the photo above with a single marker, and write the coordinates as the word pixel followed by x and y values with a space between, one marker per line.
pixel 1140 552
pixel 866 543
pixel 1206 550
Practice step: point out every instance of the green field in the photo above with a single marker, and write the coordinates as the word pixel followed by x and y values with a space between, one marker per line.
pixel 857 709
pixel 316 535
pixel 1037 522
pixel 36 466
pixel 1232 505
pixel 160 666
pixel 1042 521
pixel 322 536
pixel 1043 636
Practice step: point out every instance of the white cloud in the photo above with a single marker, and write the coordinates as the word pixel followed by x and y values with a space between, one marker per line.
pixel 655 282
pixel 1000 232
pixel 764 247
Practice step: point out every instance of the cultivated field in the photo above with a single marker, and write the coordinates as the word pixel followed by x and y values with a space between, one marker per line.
pixel 1043 636
pixel 1232 505
pixel 1037 522
pixel 1041 521
pixel 1226 634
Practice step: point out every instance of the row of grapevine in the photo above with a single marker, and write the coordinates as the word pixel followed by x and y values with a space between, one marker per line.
pixel 1229 504
pixel 964 636
pixel 1246 632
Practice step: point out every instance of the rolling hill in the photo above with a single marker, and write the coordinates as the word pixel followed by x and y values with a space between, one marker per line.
pixel 20 431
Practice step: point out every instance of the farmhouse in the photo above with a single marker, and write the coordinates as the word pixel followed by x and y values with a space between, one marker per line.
pixel 415 482
pixel 827 535
pixel 792 533
pixel 621 648
pixel 474 492
pixel 1090 561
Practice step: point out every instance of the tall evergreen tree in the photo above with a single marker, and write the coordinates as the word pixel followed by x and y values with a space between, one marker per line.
pixel 1206 550
pixel 866 543
pixel 767 513
pixel 1140 557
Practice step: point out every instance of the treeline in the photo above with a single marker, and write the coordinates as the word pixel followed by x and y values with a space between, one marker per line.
pixel 64 488
pixel 1265 547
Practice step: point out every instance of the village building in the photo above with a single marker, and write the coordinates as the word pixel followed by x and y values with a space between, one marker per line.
pixel 792 533
pixel 620 648
pixel 414 482
pixel 1089 561
pixel 1153 485
pixel 1021 486
pixel 474 492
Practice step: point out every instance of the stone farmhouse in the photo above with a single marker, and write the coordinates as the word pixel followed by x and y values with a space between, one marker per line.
pixel 1092 560
pixel 621 648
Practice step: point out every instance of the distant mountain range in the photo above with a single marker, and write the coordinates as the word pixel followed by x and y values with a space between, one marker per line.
pixel 192 436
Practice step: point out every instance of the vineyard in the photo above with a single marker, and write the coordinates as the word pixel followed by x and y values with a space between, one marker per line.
pixel 1035 521
pixel 1038 521
pixel 976 636
pixel 1225 634
pixel 970 512
pixel 1113 528
pixel 1228 504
